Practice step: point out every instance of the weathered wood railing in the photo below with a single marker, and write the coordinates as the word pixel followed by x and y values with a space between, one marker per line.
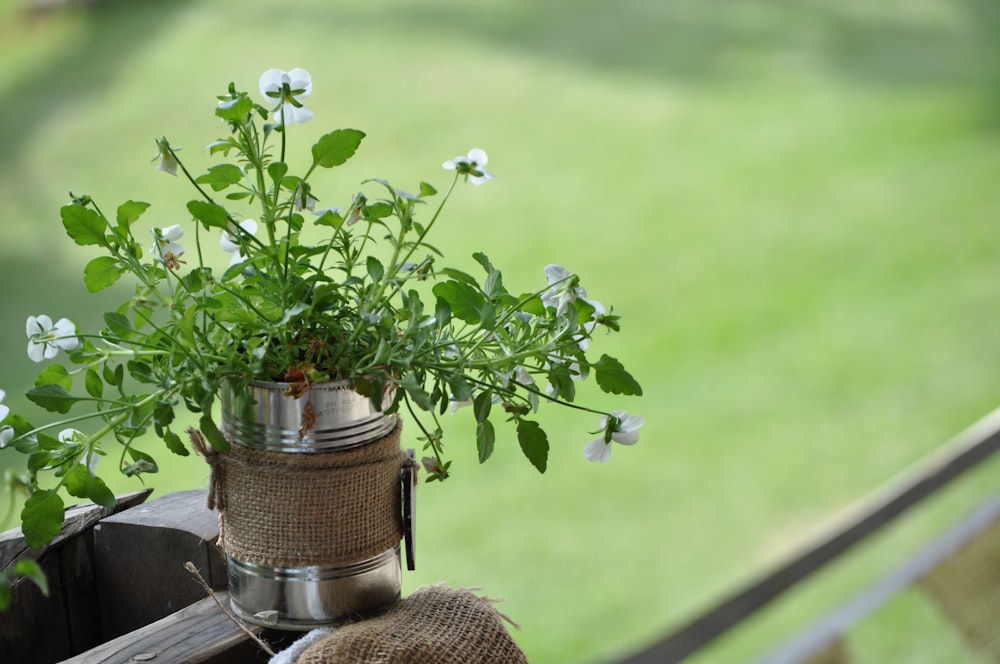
pixel 120 593
pixel 963 453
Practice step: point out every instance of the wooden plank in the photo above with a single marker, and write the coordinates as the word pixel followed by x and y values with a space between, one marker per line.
pixel 967 450
pixel 77 519
pixel 35 629
pixel 838 622
pixel 195 634
pixel 44 629
pixel 140 556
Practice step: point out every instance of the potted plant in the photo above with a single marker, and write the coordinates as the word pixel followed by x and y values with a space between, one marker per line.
pixel 354 300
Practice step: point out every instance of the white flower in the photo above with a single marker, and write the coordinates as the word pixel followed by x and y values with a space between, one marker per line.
pixel 522 376
pixel 565 289
pixel 166 246
pixel 6 435
pixel 230 244
pixel 285 90
pixel 4 410
pixel 168 163
pixel 471 166
pixel 619 427
pixel 304 200
pixel 45 339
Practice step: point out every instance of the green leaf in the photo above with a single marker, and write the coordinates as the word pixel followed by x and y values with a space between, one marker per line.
pixel 209 214
pixel 613 378
pixel 534 443
pixel 101 273
pixel 118 324
pixel 337 147
pixel 561 380
pixel 221 176
pixel 485 438
pixel 55 374
pixel 427 190
pixel 532 304
pixel 31 570
pixel 277 171
pixel 80 483
pixel 329 218
pixel 174 443
pixel 142 463
pixel 187 325
pixel 41 518
pixel 458 275
pixel 482 405
pixel 234 111
pixel 416 392
pixel 83 225
pixel 465 301
pixel 94 384
pixel 459 388
pixel 212 433
pixel 129 211
pixel 53 398
pixel 375 269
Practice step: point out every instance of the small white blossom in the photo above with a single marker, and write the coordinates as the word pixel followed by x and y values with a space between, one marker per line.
pixel 6 435
pixel 565 290
pixel 45 339
pixel 624 431
pixel 522 376
pixel 168 162
pixel 230 244
pixel 304 200
pixel 165 246
pixel 285 90
pixel 4 410
pixel 471 166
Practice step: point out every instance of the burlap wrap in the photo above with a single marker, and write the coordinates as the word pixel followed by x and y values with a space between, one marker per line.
pixel 297 510
pixel 434 625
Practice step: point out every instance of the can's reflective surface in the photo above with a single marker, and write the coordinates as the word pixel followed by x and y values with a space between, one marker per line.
pixel 327 417
pixel 305 598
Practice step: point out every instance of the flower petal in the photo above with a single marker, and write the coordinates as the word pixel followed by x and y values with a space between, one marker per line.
pixel 299 79
pixel 6 435
pixel 625 437
pixel 270 83
pixel 597 450
pixel 4 412
pixel 36 351
pixel 38 325
pixel 478 157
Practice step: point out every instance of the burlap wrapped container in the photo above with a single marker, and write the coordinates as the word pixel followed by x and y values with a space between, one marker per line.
pixel 310 502
pixel 434 625
pixel 297 510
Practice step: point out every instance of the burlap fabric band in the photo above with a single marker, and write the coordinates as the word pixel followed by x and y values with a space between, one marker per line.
pixel 297 510
pixel 434 625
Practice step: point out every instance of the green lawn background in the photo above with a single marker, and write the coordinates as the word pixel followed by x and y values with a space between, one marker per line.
pixel 792 205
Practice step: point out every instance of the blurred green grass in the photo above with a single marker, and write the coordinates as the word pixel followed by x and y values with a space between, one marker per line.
pixel 791 204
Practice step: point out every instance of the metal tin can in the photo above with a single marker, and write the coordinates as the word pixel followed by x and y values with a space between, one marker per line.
pixel 327 419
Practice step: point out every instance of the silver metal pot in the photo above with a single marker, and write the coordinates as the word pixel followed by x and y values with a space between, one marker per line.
pixel 329 418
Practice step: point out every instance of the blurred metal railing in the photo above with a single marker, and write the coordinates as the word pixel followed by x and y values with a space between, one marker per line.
pixel 866 518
